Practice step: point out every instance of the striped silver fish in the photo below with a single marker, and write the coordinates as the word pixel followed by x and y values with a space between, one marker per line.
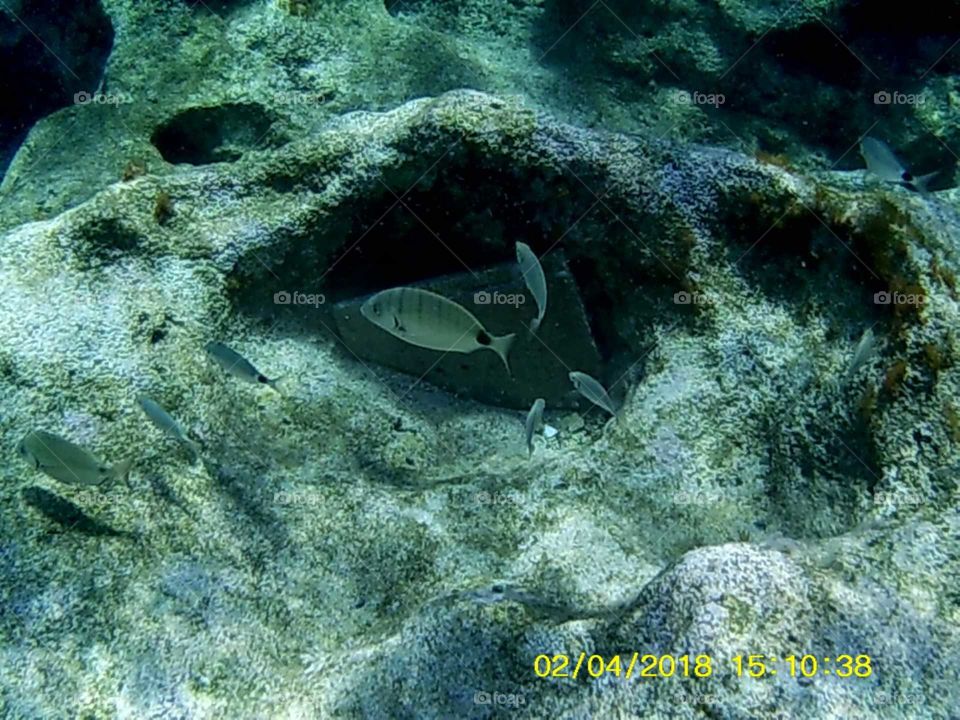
pixel 536 281
pixel 534 418
pixel 62 460
pixel 862 353
pixel 237 365
pixel 884 164
pixel 162 419
pixel 593 391
pixel 431 321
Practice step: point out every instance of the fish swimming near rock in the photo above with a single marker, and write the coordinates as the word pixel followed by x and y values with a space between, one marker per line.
pixel 536 281
pixel 534 418
pixel 862 354
pixel 431 321
pixel 162 419
pixel 69 463
pixel 65 513
pixel 237 365
pixel 593 391
pixel 500 592
pixel 884 164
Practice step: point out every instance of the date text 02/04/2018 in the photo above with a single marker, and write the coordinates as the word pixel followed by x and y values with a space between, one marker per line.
pixel 700 666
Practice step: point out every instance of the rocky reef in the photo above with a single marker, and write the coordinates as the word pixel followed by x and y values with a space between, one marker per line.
pixel 781 480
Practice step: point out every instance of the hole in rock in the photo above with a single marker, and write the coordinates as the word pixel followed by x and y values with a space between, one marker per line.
pixel 203 135
pixel 452 227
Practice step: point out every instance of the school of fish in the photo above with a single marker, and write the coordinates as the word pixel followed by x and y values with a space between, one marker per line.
pixel 419 317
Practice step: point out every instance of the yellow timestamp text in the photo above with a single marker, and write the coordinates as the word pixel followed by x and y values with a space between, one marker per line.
pixel 807 666
pixel 699 666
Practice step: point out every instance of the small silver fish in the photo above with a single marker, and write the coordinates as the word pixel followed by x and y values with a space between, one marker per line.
pixel 66 462
pixel 534 418
pixel 499 592
pixel 593 391
pixel 431 321
pixel 533 276
pixel 884 164
pixel 863 352
pixel 237 365
pixel 506 592
pixel 162 419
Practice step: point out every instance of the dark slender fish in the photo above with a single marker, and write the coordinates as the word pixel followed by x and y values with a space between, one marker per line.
pixel 534 418
pixel 862 353
pixel 536 281
pixel 163 420
pixel 237 365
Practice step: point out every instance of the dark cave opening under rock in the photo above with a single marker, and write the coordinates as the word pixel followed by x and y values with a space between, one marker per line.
pixel 222 133
pixel 454 226
pixel 814 50
pixel 798 261
pixel 420 221
pixel 901 44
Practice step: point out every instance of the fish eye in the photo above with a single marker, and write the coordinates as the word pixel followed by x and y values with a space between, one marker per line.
pixel 483 338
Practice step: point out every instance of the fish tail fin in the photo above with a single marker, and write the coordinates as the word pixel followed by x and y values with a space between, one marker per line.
pixel 192 448
pixel 922 182
pixel 501 346
pixel 121 470
pixel 609 423
pixel 617 409
pixel 272 383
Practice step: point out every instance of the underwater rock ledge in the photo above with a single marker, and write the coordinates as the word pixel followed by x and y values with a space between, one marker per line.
pixel 348 537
